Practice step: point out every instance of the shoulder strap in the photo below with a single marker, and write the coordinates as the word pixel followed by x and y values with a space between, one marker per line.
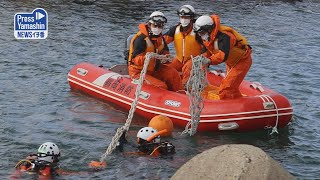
pixel 240 39
pixel 131 46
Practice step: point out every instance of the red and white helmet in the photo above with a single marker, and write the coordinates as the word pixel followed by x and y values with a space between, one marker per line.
pixel 146 133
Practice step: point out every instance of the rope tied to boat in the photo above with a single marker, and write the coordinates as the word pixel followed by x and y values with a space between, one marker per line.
pixel 113 144
pixel 195 85
pixel 274 129
pixel 267 98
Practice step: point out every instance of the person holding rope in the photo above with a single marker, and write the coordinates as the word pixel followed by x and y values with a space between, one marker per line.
pixel 150 39
pixel 225 45
pixel 186 43
pixel 149 143
pixel 44 163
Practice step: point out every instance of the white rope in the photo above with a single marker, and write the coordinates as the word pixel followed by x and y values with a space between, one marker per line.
pixel 164 58
pixel 195 85
pixel 126 126
pixel 274 129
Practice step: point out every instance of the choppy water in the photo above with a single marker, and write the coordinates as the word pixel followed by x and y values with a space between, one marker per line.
pixel 36 104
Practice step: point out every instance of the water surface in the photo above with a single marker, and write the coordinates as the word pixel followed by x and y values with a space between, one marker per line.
pixel 36 104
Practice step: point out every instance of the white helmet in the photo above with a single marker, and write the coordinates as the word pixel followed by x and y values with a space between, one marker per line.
pixel 48 152
pixel 157 17
pixel 186 10
pixel 203 23
pixel 147 132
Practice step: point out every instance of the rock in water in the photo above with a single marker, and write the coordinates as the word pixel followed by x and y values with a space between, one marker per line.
pixel 235 161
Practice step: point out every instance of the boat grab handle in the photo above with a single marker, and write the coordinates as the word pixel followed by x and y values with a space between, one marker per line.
pixel 228 126
pixel 257 86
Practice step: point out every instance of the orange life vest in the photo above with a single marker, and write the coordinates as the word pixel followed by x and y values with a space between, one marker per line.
pixel 29 166
pixel 238 47
pixel 150 47
pixel 186 46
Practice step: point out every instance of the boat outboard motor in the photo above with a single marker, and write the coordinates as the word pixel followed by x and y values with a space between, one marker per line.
pixel 127 48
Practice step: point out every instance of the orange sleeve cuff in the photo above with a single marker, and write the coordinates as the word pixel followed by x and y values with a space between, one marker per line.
pixel 138 60
pixel 217 58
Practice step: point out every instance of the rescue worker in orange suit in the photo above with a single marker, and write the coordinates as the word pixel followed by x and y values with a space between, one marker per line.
pixel 44 163
pixel 185 42
pixel 150 39
pixel 149 143
pixel 225 45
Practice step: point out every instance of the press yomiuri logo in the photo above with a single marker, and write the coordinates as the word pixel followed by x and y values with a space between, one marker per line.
pixel 32 25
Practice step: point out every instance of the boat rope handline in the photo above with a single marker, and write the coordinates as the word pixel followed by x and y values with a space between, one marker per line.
pixel 164 109
pixel 121 130
pixel 195 85
pixel 266 98
pixel 147 107
pixel 262 98
pixel 274 129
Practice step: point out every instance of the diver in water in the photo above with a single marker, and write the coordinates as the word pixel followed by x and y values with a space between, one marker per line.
pixel 149 143
pixel 44 163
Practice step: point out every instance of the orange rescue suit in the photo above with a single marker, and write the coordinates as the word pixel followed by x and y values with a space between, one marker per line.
pixel 228 46
pixel 26 165
pixel 186 45
pixel 158 74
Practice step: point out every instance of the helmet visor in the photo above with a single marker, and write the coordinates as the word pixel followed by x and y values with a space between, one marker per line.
pixel 202 29
pixel 184 12
pixel 42 155
pixel 45 157
pixel 158 20
pixel 196 28
pixel 202 32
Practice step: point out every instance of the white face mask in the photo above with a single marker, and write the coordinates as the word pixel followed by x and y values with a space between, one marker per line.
pixel 156 31
pixel 205 37
pixel 184 22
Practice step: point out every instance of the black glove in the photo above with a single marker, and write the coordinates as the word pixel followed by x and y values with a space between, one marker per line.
pixel 122 141
pixel 167 148
pixel 157 66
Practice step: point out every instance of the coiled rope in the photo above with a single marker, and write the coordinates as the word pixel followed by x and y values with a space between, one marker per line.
pixel 195 85
pixel 121 130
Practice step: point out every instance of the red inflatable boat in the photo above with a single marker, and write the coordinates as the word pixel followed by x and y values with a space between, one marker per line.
pixel 260 108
